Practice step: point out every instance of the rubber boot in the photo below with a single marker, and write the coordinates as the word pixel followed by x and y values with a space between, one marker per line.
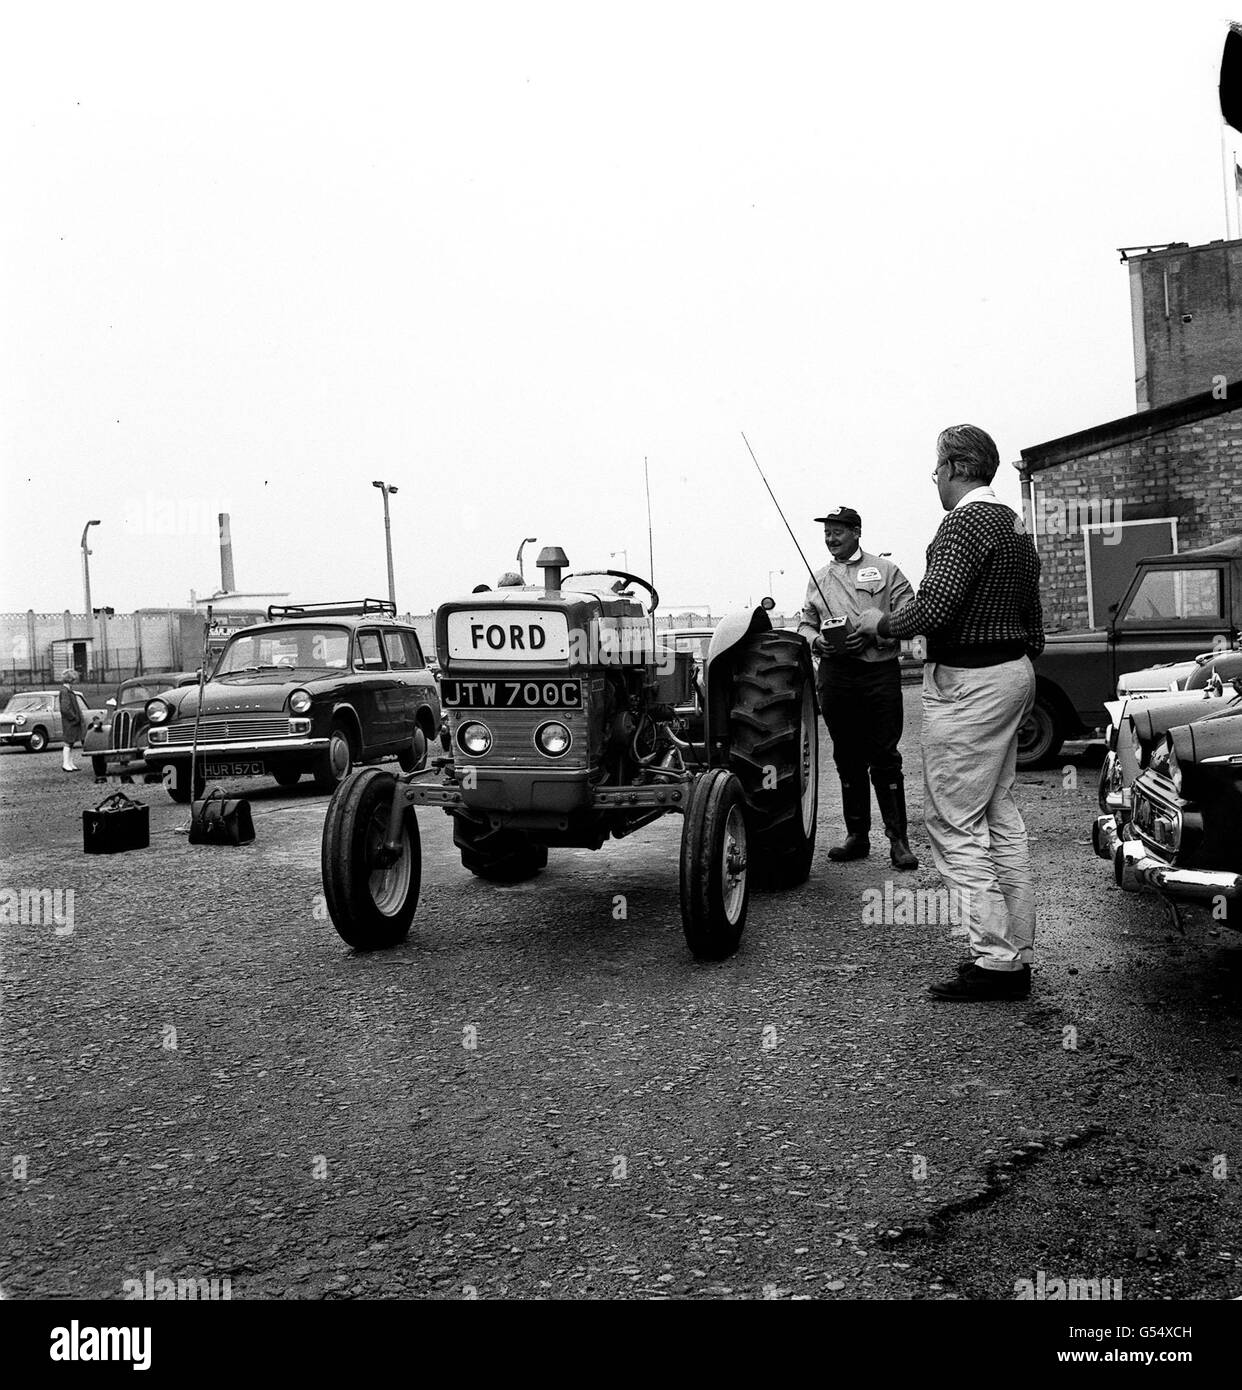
pixel 66 758
pixel 891 798
pixel 856 806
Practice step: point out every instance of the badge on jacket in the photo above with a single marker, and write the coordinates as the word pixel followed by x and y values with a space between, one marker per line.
pixel 869 574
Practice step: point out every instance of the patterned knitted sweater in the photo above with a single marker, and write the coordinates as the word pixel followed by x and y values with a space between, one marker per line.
pixel 978 603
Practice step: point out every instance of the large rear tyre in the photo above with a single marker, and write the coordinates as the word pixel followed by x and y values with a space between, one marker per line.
pixel 500 856
pixel 371 905
pixel 714 885
pixel 1040 735
pixel 774 752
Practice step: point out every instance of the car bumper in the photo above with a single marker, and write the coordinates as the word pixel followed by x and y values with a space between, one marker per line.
pixel 158 755
pixel 14 740
pixel 1137 870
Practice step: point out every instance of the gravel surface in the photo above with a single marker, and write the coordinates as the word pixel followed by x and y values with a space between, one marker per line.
pixel 541 1094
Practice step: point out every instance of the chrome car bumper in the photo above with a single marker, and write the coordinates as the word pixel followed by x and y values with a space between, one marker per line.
pixel 172 752
pixel 1136 869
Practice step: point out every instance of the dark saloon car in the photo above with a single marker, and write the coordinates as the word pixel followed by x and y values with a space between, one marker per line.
pixel 317 688
pixel 116 739
pixel 1184 837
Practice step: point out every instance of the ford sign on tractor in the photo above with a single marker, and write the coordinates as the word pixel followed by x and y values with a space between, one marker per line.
pixel 569 722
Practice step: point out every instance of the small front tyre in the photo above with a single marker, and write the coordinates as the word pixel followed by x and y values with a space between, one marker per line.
pixel 38 741
pixel 714 887
pixel 371 905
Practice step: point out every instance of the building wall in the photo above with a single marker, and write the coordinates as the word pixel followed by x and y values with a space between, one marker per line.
pixel 1187 308
pixel 1192 472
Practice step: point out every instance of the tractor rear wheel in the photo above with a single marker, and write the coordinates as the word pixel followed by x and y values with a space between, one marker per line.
pixel 501 856
pixel 774 752
pixel 371 904
pixel 714 887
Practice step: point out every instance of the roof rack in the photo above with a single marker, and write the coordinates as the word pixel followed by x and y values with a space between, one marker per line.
pixel 348 608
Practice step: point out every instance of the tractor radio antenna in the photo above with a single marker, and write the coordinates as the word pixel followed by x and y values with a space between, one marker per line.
pixel 650 548
pixel 792 537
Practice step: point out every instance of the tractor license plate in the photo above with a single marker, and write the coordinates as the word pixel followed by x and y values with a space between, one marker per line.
pixel 235 769
pixel 461 694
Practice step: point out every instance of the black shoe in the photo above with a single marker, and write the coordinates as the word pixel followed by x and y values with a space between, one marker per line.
pixel 855 847
pixel 972 982
pixel 901 854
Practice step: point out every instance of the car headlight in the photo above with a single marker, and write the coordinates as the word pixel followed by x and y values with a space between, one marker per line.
pixel 158 711
pixel 21 719
pixel 474 738
pixel 553 739
pixel 300 701
pixel 1173 766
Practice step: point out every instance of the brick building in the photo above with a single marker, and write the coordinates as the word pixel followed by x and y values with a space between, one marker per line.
pixel 1167 478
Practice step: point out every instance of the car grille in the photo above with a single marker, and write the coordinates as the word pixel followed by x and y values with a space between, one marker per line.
pixel 123 729
pixel 7 728
pixel 513 730
pixel 239 729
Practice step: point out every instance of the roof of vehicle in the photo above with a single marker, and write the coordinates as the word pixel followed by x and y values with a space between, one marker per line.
pixel 1229 549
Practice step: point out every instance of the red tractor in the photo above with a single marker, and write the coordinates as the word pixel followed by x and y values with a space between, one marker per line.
pixel 569 720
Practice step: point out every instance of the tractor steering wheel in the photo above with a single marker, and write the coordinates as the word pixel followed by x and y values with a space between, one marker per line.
pixel 620 574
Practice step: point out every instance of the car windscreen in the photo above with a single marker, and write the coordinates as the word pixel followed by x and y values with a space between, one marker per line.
pixel 23 704
pixel 286 649
pixel 139 694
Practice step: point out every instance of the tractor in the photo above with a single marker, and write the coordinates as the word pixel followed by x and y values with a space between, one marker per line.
pixel 569 720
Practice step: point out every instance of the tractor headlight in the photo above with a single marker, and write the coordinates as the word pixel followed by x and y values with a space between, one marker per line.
pixel 300 701
pixel 474 738
pixel 553 739
pixel 158 711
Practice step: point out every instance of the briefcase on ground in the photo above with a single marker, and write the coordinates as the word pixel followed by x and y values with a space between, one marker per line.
pixel 219 821
pixel 116 824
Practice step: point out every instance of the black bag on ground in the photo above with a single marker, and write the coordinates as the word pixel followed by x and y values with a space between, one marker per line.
pixel 217 821
pixel 116 824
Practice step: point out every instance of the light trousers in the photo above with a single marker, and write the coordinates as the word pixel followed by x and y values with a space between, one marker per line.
pixel 978 837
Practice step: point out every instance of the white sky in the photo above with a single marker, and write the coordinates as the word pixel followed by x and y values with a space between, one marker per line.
pixel 255 256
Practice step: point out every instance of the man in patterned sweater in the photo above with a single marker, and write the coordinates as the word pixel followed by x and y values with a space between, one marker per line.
pixel 978 606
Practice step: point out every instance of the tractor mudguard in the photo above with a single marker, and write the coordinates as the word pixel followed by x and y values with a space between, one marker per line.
pixel 732 631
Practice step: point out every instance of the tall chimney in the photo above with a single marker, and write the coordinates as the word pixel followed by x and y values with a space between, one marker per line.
pixel 228 584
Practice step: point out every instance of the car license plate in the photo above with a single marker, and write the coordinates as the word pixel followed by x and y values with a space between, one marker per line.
pixel 237 769
pixel 508 694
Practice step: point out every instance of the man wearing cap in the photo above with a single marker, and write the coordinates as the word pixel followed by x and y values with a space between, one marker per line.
pixel 860 685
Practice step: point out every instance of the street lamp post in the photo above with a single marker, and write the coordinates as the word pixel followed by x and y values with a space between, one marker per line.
pixel 770 574
pixel 386 488
pixel 529 540
pixel 86 566
pixel 625 558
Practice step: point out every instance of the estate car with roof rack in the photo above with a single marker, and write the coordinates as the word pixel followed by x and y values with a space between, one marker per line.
pixel 318 688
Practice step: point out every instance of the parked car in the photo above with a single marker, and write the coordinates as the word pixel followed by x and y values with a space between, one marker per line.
pixel 1175 607
pixel 317 688
pixel 1138 726
pixel 31 719
pixel 1183 837
pixel 116 739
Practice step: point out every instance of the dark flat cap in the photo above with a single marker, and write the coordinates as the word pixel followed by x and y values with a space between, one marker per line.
pixel 842 516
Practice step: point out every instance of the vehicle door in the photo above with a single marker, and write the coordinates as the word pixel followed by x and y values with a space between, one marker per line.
pixel 372 690
pixel 411 678
pixel 1171 613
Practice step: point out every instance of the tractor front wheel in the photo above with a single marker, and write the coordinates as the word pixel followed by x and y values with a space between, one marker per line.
pixel 714 890
pixel 774 751
pixel 501 856
pixel 371 903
